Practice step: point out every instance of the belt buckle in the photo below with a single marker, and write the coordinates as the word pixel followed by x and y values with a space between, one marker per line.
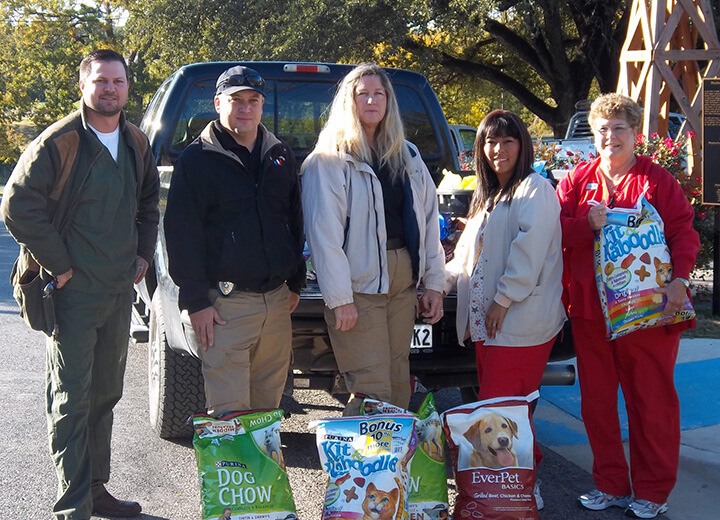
pixel 225 288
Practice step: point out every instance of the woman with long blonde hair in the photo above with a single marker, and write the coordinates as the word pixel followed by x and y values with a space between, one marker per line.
pixel 371 221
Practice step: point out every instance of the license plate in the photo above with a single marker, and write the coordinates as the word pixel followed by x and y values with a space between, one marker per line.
pixel 422 336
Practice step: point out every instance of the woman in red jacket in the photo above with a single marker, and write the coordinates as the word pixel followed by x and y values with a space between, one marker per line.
pixel 642 362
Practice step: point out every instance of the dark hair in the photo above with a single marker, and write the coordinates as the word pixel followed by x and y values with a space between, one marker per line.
pixel 101 55
pixel 499 123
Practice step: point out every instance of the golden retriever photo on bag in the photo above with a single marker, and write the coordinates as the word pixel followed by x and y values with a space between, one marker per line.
pixel 493 438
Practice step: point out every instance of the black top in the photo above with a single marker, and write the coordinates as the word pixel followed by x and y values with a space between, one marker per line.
pixel 222 223
pixel 393 198
pixel 251 160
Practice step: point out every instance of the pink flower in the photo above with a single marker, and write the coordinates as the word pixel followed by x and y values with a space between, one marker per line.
pixel 691 134
pixel 654 135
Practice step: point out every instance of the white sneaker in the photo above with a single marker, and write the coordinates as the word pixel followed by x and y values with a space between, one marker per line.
pixel 640 508
pixel 539 502
pixel 596 500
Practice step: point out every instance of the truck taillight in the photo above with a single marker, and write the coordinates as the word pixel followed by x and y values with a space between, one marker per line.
pixel 312 69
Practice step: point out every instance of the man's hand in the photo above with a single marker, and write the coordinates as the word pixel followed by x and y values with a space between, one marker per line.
pixel 431 306
pixel 141 267
pixel 345 317
pixel 294 300
pixel 494 319
pixel 203 323
pixel 676 294
pixel 597 217
pixel 64 278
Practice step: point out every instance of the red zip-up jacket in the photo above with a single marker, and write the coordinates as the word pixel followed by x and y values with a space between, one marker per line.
pixel 588 183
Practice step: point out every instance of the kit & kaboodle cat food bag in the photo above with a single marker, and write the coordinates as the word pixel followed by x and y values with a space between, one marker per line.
pixel 366 460
pixel 491 446
pixel 632 266
pixel 427 483
pixel 241 466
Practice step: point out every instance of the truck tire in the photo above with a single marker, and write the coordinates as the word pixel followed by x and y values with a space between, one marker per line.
pixel 175 382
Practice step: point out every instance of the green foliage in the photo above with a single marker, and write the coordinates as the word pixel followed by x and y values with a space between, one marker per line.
pixel 671 154
pixel 530 56
pixel 41 45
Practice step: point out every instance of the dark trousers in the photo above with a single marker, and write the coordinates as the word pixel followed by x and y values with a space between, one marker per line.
pixel 84 369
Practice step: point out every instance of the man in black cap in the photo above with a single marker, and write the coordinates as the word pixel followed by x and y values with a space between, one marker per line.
pixel 234 233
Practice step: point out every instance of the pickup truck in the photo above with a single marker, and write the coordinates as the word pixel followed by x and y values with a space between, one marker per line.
pixel 297 97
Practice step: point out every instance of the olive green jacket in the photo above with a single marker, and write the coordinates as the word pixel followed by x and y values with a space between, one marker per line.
pixel 51 170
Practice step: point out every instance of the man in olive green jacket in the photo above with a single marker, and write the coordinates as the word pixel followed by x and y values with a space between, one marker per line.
pixel 105 164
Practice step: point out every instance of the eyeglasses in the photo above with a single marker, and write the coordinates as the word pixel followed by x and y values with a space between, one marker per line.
pixel 242 80
pixel 618 129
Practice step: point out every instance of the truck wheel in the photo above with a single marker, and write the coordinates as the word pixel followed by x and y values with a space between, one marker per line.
pixel 175 382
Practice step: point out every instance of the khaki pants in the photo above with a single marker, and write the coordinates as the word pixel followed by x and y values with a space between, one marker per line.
pixel 247 366
pixel 373 356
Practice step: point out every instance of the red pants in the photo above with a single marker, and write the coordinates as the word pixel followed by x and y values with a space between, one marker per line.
pixel 511 371
pixel 642 364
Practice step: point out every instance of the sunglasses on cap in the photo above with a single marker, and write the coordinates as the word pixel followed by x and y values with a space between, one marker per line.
pixel 243 80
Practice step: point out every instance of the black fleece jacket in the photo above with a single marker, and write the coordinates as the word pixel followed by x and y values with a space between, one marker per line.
pixel 223 224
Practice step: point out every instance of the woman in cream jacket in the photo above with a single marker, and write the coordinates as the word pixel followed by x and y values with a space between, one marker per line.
pixel 508 263
pixel 371 220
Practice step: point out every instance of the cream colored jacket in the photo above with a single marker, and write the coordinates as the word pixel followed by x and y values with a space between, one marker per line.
pixel 345 226
pixel 522 255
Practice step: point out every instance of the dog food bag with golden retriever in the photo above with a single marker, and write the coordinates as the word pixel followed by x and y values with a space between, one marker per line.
pixel 427 484
pixel 491 446
pixel 366 459
pixel 632 267
pixel 241 467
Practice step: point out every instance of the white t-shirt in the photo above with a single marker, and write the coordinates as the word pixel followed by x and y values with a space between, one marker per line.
pixel 111 140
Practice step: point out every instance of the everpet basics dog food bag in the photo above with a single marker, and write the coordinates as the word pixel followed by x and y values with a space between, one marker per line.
pixel 241 467
pixel 491 445
pixel 632 268
pixel 366 459
pixel 427 483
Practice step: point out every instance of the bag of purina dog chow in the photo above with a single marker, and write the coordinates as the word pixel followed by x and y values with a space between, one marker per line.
pixel 241 467
pixel 491 446
pixel 427 481
pixel 632 265
pixel 366 459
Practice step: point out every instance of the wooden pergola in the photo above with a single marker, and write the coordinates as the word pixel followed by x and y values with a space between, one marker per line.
pixel 671 46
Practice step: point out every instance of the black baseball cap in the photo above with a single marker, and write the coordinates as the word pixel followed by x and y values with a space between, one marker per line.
pixel 239 78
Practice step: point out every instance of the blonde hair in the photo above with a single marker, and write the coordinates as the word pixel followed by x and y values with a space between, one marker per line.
pixel 343 132
pixel 613 105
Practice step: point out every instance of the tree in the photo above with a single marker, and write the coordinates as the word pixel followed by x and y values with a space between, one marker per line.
pixel 41 45
pixel 544 53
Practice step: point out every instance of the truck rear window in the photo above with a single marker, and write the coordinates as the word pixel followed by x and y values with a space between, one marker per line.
pixel 296 112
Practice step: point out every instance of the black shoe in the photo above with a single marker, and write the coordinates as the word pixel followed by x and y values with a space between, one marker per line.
pixel 107 505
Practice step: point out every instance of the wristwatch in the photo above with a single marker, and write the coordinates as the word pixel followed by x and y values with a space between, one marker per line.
pixel 684 281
